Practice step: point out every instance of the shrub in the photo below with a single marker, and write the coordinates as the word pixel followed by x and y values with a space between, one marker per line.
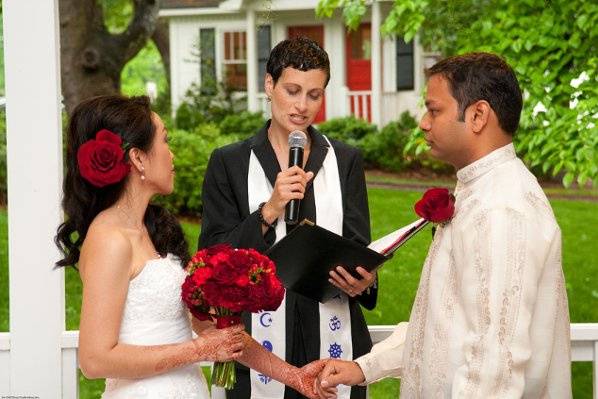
pixel 207 104
pixel 243 124
pixel 347 129
pixel 192 151
pixel 385 149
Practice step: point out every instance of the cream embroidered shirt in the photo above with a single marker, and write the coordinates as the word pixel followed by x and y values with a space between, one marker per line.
pixel 490 318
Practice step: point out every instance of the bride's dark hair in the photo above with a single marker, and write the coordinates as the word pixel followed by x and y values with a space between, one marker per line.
pixel 131 119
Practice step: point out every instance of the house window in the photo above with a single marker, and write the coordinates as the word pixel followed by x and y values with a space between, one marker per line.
pixel 404 65
pixel 207 56
pixel 263 51
pixel 234 63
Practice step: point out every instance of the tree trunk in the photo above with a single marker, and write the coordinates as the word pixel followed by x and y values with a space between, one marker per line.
pixel 162 41
pixel 91 57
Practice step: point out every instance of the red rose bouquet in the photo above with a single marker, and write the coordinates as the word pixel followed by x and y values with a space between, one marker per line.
pixel 221 283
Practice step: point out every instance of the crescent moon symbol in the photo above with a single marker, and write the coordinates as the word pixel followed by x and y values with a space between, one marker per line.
pixel 265 319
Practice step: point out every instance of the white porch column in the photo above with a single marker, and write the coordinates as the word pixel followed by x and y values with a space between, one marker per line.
pixel 34 169
pixel 252 91
pixel 334 44
pixel 376 64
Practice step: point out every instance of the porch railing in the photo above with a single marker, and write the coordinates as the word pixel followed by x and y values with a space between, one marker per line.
pixel 359 104
pixel 584 348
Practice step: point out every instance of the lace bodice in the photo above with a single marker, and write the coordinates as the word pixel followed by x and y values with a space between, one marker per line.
pixel 154 314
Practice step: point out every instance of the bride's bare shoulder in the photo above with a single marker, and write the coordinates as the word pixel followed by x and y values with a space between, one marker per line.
pixel 106 245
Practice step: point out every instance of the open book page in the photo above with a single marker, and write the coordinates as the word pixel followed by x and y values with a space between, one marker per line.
pixel 390 242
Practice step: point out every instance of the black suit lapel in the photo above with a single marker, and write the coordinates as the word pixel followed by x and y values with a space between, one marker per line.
pixel 265 154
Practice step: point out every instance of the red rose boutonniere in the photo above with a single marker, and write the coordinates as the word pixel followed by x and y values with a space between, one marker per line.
pixel 101 160
pixel 437 206
pixel 221 283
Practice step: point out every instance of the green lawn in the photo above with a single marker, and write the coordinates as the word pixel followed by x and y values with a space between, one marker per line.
pixel 399 277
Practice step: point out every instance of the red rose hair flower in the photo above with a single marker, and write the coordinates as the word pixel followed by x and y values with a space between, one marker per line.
pixel 101 160
pixel 436 206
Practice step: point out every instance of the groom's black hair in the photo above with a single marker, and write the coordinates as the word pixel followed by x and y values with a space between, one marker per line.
pixel 301 53
pixel 483 76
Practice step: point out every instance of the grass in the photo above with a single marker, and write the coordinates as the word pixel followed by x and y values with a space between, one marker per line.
pixel 400 276
pixel 552 189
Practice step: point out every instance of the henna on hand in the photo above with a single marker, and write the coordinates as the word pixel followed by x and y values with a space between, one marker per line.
pixel 220 345
pixel 302 380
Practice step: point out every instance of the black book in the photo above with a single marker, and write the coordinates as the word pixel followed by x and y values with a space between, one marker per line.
pixel 305 256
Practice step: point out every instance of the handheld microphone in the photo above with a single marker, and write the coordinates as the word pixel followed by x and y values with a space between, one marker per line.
pixel 297 141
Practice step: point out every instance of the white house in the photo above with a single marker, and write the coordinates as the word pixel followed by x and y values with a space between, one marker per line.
pixel 372 77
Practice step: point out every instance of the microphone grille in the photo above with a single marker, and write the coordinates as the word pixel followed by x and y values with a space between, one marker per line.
pixel 297 139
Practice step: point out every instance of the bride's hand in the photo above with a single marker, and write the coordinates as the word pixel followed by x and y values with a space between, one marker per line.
pixel 307 379
pixel 220 345
pixel 200 326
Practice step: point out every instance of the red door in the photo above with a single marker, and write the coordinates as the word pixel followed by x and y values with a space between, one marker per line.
pixel 316 33
pixel 358 49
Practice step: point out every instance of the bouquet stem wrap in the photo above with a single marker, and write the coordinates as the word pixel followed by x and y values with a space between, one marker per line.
pixel 223 373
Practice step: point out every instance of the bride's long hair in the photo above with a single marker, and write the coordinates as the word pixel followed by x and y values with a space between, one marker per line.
pixel 131 118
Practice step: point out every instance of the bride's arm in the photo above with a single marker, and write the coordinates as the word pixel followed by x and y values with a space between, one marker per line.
pixel 104 265
pixel 255 356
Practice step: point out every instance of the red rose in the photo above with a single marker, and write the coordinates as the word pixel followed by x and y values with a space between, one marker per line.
pixel 231 281
pixel 194 300
pixel 201 275
pixel 101 161
pixel 437 205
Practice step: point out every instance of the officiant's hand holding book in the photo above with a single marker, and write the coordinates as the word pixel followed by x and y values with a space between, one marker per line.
pixel 307 255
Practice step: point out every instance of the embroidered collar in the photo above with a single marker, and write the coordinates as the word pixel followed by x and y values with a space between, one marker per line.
pixel 486 163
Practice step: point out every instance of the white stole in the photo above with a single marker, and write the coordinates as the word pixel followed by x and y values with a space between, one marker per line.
pixel 268 328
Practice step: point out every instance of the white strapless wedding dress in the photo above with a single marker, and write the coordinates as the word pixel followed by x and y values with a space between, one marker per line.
pixel 154 314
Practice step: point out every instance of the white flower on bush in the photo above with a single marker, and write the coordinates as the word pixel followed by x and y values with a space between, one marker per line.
pixel 575 83
pixel 539 108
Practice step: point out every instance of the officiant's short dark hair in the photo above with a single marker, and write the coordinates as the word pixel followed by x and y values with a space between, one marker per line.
pixel 483 76
pixel 301 53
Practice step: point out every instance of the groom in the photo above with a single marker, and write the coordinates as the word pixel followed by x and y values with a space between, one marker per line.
pixel 490 319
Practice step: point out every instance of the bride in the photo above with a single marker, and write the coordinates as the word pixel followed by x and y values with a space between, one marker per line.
pixel 134 329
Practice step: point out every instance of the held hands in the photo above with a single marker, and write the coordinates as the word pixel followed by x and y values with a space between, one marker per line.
pixel 337 372
pixel 307 375
pixel 290 184
pixel 220 345
pixel 344 281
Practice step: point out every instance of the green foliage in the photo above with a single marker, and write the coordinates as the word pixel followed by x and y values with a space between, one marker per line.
pixel 553 47
pixel 207 104
pixel 145 67
pixel 353 10
pixel 243 124
pixel 385 149
pixel 192 151
pixel 349 129
pixel 117 14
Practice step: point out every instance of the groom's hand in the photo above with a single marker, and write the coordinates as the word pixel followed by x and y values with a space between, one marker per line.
pixel 351 286
pixel 307 375
pixel 338 372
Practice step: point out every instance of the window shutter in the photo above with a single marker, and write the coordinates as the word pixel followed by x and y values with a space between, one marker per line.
pixel 207 54
pixel 263 51
pixel 405 66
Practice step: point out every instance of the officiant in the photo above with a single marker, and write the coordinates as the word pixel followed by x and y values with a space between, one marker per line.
pixel 245 191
